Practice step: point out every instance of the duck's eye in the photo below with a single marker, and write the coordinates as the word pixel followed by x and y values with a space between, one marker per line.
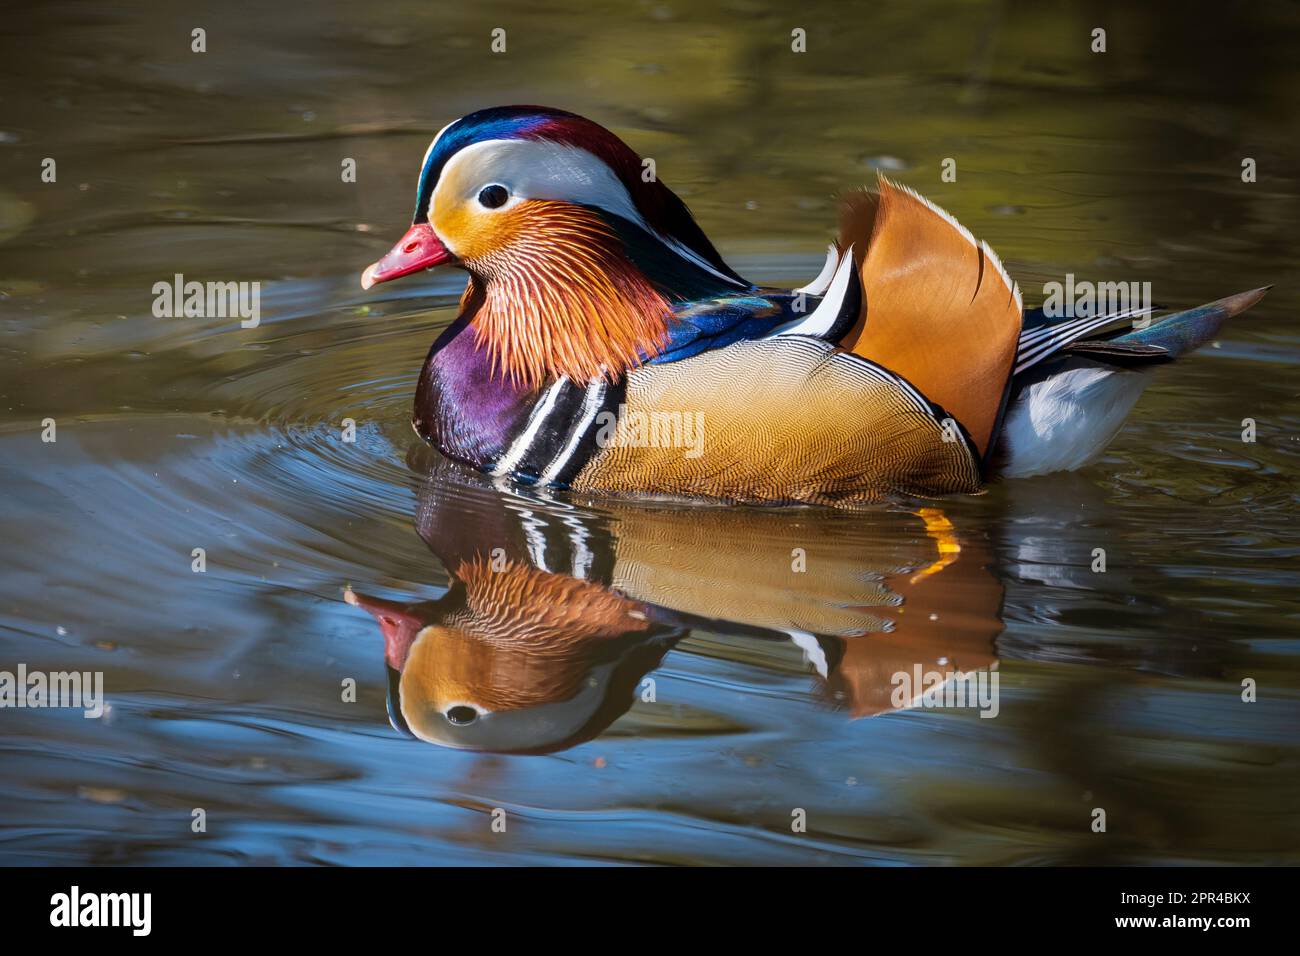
pixel 493 197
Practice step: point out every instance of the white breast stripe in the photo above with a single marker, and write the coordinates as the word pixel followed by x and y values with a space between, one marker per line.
pixel 521 444
pixel 535 533
pixel 582 556
pixel 591 403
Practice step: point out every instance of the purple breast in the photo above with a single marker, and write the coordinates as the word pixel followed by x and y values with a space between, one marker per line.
pixel 461 407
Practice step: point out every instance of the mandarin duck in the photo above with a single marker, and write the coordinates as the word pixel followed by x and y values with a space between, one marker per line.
pixel 554 614
pixel 595 301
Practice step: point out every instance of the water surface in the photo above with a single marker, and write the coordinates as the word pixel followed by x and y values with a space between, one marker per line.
pixel 770 688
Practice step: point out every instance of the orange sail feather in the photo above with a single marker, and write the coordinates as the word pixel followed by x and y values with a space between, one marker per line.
pixel 939 309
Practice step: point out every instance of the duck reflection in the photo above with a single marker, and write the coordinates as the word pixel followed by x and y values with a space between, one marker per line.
pixel 555 612
pixel 514 658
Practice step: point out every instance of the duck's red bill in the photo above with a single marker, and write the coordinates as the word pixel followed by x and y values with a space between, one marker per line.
pixel 419 249
pixel 398 622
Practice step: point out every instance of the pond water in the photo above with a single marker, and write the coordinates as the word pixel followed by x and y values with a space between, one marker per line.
pixel 691 691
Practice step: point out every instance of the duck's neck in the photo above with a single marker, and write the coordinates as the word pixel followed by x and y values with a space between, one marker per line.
pixel 461 407
pixel 476 391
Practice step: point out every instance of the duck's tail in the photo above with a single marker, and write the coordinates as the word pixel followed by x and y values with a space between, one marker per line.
pixel 1034 392
pixel 1187 331
pixel 1064 411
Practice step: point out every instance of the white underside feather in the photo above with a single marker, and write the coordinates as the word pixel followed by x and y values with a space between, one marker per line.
pixel 1066 421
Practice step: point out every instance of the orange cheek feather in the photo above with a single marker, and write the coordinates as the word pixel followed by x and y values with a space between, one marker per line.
pixel 560 295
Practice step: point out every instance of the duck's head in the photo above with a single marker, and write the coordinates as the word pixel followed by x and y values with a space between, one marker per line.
pixel 575 250
pixel 512 659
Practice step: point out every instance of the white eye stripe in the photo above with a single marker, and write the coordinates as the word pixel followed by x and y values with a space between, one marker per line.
pixel 540 169
pixel 535 169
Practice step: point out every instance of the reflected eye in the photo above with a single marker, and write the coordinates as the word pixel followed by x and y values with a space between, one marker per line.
pixel 493 197
pixel 460 715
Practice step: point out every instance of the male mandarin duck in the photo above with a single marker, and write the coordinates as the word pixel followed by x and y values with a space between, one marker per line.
pixel 907 366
